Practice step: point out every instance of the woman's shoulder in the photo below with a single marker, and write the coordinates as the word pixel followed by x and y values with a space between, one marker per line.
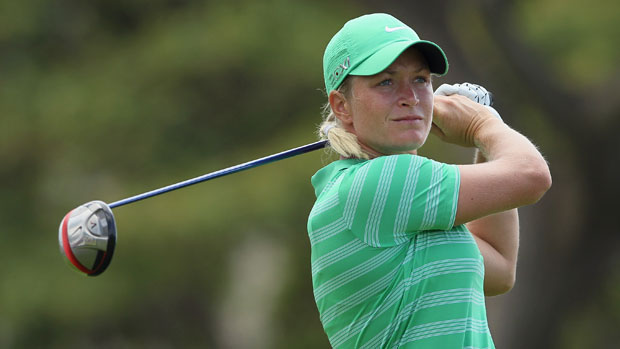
pixel 379 167
pixel 328 173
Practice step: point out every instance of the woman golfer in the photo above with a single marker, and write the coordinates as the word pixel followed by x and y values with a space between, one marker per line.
pixel 405 248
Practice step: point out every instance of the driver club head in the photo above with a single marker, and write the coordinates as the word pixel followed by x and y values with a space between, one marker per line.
pixel 87 237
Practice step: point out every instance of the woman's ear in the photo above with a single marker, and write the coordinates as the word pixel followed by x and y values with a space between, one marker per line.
pixel 341 108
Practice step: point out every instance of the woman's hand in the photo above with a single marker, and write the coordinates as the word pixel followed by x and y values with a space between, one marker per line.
pixel 458 120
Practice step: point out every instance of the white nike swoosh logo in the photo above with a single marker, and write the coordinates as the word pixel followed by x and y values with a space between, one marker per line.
pixel 389 30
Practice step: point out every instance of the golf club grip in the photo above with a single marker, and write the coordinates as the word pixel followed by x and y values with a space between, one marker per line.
pixel 250 164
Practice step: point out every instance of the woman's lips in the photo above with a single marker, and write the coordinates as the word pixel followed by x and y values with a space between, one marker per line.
pixel 411 118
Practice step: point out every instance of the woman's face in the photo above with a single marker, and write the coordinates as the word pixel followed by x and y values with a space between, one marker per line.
pixel 391 112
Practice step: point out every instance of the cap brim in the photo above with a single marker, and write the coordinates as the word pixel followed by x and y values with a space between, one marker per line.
pixel 380 60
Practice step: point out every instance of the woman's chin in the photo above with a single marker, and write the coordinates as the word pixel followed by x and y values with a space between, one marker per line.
pixel 409 145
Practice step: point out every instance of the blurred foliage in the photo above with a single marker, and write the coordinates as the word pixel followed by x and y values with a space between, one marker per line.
pixel 109 98
pixel 580 36
pixel 106 99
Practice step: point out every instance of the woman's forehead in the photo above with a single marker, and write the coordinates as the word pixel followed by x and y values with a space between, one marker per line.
pixel 410 59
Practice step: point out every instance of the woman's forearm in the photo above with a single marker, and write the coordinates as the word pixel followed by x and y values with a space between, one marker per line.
pixel 515 175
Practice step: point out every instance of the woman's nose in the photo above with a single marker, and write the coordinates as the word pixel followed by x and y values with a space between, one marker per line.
pixel 408 96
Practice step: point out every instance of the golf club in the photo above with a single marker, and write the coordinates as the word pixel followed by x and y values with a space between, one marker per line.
pixel 87 234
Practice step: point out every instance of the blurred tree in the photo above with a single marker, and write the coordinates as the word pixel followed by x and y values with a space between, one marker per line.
pixel 107 98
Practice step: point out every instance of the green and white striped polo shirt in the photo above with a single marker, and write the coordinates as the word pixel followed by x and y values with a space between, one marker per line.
pixel 388 267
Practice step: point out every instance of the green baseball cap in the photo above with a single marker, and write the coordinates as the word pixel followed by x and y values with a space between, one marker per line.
pixel 368 44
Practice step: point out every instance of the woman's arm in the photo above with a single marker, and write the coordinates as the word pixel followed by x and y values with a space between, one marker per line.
pixel 497 236
pixel 515 175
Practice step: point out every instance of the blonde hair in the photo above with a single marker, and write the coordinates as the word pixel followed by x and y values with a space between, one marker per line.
pixel 340 141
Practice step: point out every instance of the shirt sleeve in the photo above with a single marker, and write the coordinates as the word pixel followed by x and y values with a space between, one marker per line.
pixel 389 199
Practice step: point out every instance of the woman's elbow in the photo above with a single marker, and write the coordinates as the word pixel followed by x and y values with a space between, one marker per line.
pixel 539 180
pixel 501 285
pixel 501 277
pixel 508 284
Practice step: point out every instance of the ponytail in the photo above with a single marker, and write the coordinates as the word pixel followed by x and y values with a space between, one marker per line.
pixel 342 142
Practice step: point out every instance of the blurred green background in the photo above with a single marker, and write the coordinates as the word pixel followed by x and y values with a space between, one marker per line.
pixel 107 99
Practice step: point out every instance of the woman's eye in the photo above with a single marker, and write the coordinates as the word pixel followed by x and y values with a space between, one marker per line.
pixel 421 80
pixel 385 82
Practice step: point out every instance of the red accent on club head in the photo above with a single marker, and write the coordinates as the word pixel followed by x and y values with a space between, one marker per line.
pixel 67 247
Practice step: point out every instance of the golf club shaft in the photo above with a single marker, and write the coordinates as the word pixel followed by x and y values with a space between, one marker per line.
pixel 250 164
